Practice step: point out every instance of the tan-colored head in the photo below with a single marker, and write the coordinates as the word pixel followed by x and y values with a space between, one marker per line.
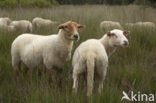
pixel 70 30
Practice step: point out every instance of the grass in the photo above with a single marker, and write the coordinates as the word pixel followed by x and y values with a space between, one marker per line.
pixel 131 68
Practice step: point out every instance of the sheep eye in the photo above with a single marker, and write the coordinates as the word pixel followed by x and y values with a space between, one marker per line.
pixel 65 26
pixel 114 35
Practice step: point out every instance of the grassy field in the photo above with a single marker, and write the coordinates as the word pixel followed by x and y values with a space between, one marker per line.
pixel 132 68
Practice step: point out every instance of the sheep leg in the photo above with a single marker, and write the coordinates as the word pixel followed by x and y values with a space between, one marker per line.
pixel 90 80
pixel 101 78
pixel 51 76
pixel 59 77
pixel 17 67
pixel 100 81
pixel 76 81
pixel 90 76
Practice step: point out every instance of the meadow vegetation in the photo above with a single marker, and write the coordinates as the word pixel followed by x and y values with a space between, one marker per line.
pixel 132 68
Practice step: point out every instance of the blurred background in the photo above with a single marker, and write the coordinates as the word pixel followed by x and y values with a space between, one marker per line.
pixel 45 3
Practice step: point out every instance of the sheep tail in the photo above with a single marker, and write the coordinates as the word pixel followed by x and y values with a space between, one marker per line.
pixel 90 74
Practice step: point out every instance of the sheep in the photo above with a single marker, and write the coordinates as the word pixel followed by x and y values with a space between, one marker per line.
pixel 22 26
pixel 129 24
pixel 109 25
pixel 11 29
pixel 51 51
pixel 91 57
pixel 40 22
pixel 142 25
pixel 5 21
pixel 145 24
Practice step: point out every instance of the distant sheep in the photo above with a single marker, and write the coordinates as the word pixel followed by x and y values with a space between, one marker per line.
pixel 109 25
pixel 5 21
pixel 40 22
pixel 144 25
pixel 23 26
pixel 129 24
pixel 11 29
pixel 91 57
pixel 52 51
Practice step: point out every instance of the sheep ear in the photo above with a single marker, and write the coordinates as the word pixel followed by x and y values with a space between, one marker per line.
pixel 81 26
pixel 61 26
pixel 126 33
pixel 110 34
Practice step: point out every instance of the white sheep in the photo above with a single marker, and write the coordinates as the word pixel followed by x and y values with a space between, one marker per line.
pixel 142 25
pixel 145 24
pixel 109 25
pixel 5 21
pixel 129 24
pixel 11 29
pixel 91 57
pixel 22 26
pixel 40 22
pixel 51 51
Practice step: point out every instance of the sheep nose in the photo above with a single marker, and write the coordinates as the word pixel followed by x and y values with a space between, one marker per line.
pixel 125 43
pixel 76 36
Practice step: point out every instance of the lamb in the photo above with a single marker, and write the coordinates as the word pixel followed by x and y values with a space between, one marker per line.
pixel 109 25
pixel 22 26
pixel 91 57
pixel 40 22
pixel 52 51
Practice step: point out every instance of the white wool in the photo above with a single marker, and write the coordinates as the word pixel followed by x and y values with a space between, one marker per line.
pixel 129 24
pixel 40 22
pixel 109 25
pixel 36 50
pixel 5 21
pixel 23 26
pixel 92 56
pixel 143 25
pixel 51 51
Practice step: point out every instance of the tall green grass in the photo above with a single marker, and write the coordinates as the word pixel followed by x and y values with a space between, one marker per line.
pixel 27 3
pixel 131 68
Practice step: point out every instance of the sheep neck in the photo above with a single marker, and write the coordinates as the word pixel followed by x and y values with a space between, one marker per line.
pixel 109 48
pixel 63 41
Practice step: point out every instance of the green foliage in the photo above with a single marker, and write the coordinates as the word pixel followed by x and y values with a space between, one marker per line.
pixel 8 3
pixel 47 3
pixel 27 3
pixel 110 2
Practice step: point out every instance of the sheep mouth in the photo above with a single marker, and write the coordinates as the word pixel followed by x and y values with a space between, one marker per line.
pixel 124 45
pixel 75 39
